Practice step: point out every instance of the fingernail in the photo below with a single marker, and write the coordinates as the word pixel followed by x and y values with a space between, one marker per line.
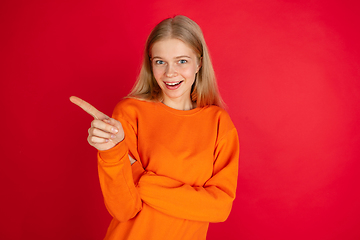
pixel 106 140
pixel 114 130
pixel 113 136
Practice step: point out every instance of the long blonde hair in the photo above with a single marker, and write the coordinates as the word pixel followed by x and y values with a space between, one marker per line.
pixel 204 90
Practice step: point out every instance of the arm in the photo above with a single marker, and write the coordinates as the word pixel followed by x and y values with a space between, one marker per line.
pixel 211 202
pixel 117 168
pixel 118 176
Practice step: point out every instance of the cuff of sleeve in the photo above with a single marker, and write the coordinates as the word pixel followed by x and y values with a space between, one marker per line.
pixel 114 154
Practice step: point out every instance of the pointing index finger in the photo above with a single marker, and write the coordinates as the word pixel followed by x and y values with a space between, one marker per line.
pixel 87 107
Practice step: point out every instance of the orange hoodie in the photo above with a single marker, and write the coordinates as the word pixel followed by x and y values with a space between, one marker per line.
pixel 185 175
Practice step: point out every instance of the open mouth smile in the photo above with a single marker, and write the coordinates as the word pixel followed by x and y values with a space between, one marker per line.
pixel 173 85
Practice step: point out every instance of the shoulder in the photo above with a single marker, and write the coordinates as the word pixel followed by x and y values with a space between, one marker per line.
pixel 130 104
pixel 219 113
pixel 222 118
pixel 129 108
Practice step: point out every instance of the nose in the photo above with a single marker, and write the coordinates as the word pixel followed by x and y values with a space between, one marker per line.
pixel 170 71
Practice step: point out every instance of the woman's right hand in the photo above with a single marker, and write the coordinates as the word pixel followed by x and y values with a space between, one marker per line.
pixel 105 132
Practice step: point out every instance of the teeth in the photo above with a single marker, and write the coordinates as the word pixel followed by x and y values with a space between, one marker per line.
pixel 172 84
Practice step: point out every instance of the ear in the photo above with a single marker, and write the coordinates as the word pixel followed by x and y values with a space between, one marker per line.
pixel 199 65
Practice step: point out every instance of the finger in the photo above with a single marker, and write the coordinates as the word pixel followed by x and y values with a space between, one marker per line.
pixel 95 132
pixel 104 126
pixel 113 122
pixel 116 126
pixel 87 107
pixel 96 140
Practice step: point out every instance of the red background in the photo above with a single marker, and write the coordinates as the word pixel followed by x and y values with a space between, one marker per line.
pixel 288 71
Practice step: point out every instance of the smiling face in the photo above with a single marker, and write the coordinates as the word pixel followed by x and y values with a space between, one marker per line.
pixel 174 66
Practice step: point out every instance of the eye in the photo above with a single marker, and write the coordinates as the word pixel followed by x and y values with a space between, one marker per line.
pixel 182 61
pixel 159 62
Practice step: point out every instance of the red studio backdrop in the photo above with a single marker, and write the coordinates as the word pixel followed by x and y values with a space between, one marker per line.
pixel 288 70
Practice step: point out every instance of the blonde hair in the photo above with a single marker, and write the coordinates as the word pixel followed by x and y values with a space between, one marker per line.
pixel 204 90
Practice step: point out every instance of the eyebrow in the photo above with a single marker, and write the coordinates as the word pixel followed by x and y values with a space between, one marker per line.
pixel 182 56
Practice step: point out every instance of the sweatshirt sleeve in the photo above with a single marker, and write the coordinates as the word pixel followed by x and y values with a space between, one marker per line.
pixel 211 202
pixel 118 177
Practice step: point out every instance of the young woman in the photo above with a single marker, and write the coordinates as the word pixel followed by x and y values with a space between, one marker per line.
pixel 168 158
